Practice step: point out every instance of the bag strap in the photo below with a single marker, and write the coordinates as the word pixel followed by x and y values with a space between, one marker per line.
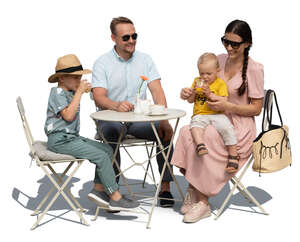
pixel 277 107
pixel 268 109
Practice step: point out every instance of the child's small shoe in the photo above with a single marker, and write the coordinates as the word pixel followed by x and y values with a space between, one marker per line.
pixel 201 149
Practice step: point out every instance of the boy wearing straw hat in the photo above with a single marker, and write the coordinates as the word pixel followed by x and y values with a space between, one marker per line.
pixel 62 128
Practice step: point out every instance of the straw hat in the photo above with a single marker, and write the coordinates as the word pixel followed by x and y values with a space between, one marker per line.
pixel 68 64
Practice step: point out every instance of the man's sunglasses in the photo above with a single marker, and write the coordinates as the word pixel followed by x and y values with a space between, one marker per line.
pixel 233 44
pixel 127 37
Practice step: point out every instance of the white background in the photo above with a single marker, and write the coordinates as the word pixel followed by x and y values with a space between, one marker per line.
pixel 174 33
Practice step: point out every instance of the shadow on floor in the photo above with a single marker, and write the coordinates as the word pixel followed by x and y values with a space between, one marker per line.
pixel 31 203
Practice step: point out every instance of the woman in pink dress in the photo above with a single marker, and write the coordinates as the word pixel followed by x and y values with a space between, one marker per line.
pixel 244 77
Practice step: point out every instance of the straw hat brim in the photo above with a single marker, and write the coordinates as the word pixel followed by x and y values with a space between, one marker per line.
pixel 54 78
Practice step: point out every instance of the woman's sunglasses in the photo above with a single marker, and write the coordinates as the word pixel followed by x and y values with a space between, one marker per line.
pixel 127 37
pixel 233 44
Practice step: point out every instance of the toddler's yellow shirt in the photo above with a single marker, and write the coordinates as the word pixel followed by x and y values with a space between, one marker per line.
pixel 218 87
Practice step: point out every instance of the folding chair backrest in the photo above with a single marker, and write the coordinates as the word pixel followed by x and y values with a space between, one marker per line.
pixel 27 131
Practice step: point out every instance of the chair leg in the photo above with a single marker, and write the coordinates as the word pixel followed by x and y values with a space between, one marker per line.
pixel 252 199
pixel 152 174
pixel 236 181
pixel 96 214
pixel 225 201
pixel 144 181
pixel 149 165
pixel 60 181
pixel 114 161
pixel 37 210
pixel 60 190
pixel 241 190
pixel 45 211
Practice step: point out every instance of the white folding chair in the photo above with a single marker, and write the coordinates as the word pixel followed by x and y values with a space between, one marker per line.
pixel 130 141
pixel 46 159
pixel 236 181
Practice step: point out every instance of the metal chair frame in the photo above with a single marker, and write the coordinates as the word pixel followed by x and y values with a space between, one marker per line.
pixel 127 142
pixel 57 184
pixel 237 184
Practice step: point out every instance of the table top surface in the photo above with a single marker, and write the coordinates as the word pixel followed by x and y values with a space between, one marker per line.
pixel 110 115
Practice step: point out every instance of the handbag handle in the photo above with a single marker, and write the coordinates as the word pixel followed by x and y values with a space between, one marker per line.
pixel 268 109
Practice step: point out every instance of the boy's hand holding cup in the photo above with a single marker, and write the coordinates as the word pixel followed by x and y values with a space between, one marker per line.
pixel 84 86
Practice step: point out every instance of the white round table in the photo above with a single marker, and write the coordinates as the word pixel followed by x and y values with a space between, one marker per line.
pixel 131 117
pixel 114 116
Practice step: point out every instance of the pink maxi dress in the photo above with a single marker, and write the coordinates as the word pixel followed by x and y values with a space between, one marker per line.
pixel 207 173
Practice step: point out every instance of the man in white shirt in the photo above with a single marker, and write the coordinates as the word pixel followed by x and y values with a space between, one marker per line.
pixel 115 83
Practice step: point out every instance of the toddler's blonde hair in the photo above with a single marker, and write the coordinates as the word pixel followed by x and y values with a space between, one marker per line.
pixel 208 56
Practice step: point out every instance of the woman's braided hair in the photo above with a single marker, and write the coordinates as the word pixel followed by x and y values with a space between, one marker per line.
pixel 242 29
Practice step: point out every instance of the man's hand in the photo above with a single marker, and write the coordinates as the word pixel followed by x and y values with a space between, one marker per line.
pixel 165 130
pixel 125 107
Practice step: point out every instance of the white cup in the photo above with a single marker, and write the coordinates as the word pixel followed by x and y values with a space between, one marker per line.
pixel 145 106
pixel 199 83
pixel 157 109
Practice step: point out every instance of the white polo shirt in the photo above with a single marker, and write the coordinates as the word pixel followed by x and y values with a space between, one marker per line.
pixel 121 78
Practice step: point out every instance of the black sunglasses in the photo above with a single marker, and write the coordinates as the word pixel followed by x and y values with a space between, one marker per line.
pixel 233 44
pixel 127 37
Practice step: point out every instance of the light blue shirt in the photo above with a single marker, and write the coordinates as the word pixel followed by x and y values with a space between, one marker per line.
pixel 121 78
pixel 58 100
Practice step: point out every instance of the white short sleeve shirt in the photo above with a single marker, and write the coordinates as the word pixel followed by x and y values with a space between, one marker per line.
pixel 122 78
